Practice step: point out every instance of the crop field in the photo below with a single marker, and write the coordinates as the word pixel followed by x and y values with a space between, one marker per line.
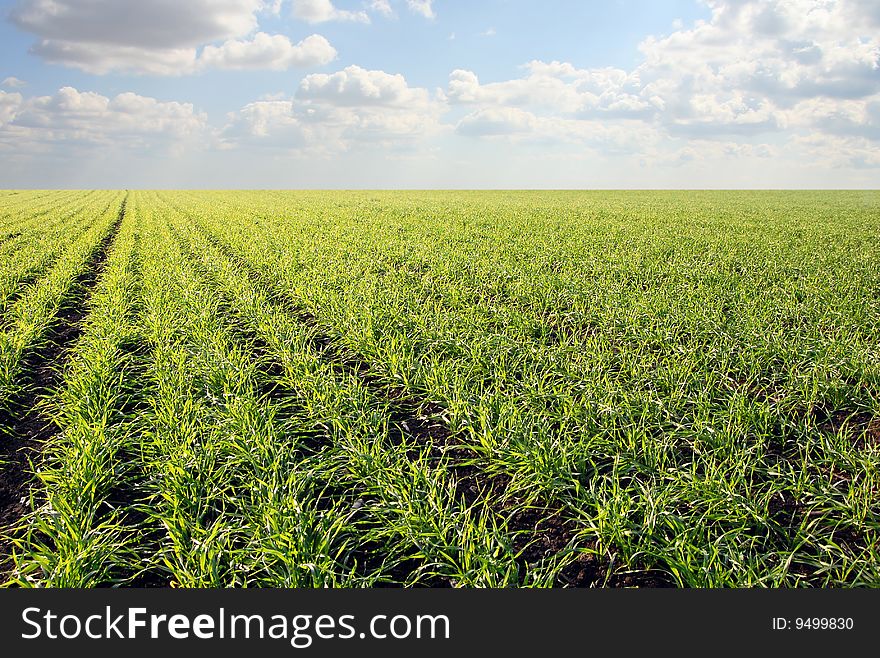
pixel 465 389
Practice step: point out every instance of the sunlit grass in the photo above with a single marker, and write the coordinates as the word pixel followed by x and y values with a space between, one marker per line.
pixel 693 379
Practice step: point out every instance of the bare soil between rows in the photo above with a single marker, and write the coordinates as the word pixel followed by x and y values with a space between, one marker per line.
pixel 24 425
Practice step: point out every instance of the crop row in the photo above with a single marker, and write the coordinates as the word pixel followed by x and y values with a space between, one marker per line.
pixel 27 319
pixel 696 389
pixel 469 389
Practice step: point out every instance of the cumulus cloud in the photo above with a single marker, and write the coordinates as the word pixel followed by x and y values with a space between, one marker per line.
pixel 355 86
pixel 99 60
pixel 555 86
pixel 162 37
pixel 9 106
pixel 523 127
pixel 359 105
pixel 382 7
pixel 265 51
pixel 754 62
pixel 849 151
pixel 558 102
pixel 755 68
pixel 699 150
pixel 497 121
pixel 423 7
pixel 156 24
pixel 271 124
pixel 12 83
pixel 758 79
pixel 338 111
pixel 85 119
pixel 322 11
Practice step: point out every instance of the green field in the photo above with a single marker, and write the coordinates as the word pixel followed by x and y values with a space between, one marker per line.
pixel 468 389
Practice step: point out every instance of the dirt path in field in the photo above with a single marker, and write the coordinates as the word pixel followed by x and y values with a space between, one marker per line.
pixel 25 427
pixel 537 531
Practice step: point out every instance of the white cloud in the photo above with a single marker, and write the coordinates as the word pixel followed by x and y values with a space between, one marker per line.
pixel 423 7
pixel 699 150
pixel 838 151
pixel 759 80
pixel 355 86
pixel 754 62
pixel 265 51
pixel 99 59
pixel 321 11
pixel 358 105
pixel 10 104
pixel 497 121
pixel 490 32
pixel 162 37
pixel 523 127
pixel 382 7
pixel 154 25
pixel 339 111
pixel 267 123
pixel 12 83
pixel 557 87
pixel 272 6
pixel 88 119
pixel 262 51
pixel 761 67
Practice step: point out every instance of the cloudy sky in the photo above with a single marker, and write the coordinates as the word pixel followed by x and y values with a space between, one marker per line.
pixel 440 93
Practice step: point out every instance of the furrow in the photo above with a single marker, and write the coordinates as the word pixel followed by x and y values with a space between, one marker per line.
pixel 24 425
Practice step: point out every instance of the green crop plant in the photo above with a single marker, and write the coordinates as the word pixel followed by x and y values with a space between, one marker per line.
pixel 476 389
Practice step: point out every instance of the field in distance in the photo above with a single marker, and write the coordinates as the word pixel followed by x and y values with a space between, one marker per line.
pixel 468 389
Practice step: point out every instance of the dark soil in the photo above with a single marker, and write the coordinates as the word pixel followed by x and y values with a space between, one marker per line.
pixel 24 426
pixel 864 429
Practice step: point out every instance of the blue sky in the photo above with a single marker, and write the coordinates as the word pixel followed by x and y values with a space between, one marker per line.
pixel 443 93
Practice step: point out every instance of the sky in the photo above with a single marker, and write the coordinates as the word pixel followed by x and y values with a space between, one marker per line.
pixel 440 94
